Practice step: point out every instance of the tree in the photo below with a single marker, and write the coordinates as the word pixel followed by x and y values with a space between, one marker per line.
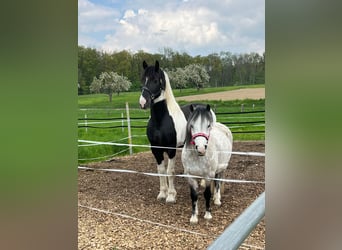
pixel 88 66
pixel 109 83
pixel 178 78
pixel 197 75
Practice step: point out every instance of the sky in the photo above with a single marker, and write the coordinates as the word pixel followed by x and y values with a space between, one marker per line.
pixel 196 27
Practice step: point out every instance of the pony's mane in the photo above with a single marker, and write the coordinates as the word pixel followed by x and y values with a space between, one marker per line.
pixel 199 111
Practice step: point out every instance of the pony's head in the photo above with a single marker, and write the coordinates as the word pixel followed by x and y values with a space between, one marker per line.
pixel 153 84
pixel 198 127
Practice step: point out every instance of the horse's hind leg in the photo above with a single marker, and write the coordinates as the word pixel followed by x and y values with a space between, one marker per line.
pixel 217 191
pixel 171 192
pixel 194 199
pixel 207 196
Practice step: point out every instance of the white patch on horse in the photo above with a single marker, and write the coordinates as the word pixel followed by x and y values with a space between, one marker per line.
pixel 142 101
pixel 163 182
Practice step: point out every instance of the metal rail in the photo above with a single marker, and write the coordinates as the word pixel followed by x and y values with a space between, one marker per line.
pixel 233 236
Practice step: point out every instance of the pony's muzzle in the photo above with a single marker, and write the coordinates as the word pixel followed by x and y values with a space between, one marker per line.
pixel 201 149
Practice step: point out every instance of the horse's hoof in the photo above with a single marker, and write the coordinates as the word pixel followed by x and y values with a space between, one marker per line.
pixel 171 199
pixel 208 216
pixel 217 202
pixel 193 219
pixel 161 196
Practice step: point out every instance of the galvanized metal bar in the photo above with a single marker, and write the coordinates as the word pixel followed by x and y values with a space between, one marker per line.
pixel 233 236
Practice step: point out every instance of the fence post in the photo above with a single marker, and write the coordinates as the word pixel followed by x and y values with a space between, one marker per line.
pixel 233 236
pixel 129 130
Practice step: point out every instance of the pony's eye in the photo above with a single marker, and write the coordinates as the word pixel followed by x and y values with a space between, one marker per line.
pixel 209 125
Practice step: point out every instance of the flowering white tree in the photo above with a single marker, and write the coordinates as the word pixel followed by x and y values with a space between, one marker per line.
pixel 197 75
pixel 109 83
pixel 178 78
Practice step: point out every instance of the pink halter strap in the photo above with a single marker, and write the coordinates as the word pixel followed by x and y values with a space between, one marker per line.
pixel 194 136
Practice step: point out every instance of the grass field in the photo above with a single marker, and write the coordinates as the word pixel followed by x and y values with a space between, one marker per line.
pixel 99 120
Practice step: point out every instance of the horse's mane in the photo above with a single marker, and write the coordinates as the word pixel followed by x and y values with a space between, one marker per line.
pixel 169 97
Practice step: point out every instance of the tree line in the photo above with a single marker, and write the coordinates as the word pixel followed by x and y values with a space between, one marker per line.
pixel 214 70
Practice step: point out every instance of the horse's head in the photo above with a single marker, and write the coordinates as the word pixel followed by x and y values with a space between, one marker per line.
pixel 153 84
pixel 198 127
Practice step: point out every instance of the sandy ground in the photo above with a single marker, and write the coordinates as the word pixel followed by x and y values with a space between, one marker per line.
pixel 248 93
pixel 120 210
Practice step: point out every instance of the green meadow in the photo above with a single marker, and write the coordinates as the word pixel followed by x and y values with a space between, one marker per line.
pixel 100 120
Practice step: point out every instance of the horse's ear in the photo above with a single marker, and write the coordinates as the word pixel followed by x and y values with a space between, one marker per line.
pixel 208 107
pixel 145 64
pixel 156 67
pixel 163 81
pixel 192 108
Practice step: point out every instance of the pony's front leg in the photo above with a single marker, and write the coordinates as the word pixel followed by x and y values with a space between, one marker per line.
pixel 217 190
pixel 207 196
pixel 163 182
pixel 194 200
pixel 171 193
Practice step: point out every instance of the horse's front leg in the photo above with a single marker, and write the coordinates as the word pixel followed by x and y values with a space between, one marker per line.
pixel 217 189
pixel 207 196
pixel 163 182
pixel 194 200
pixel 171 193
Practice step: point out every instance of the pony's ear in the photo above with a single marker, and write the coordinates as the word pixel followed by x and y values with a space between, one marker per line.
pixel 156 67
pixel 208 107
pixel 163 81
pixel 192 108
pixel 145 64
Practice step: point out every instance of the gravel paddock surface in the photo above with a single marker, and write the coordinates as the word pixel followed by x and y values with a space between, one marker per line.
pixel 120 210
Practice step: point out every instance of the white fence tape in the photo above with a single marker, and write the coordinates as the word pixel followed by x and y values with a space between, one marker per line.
pixel 142 220
pixel 149 146
pixel 166 175
pixel 104 157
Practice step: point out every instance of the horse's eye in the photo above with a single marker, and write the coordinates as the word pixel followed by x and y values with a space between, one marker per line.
pixel 209 125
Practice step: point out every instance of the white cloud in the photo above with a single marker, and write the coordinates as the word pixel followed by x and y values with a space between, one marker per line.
pixel 196 27
pixel 129 13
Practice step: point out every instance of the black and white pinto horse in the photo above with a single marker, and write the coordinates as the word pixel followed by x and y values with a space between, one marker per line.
pixel 167 126
pixel 206 153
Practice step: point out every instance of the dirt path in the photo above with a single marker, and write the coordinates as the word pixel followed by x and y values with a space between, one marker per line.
pixel 248 93
pixel 130 217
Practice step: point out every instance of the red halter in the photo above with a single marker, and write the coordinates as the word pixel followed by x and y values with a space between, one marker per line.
pixel 206 136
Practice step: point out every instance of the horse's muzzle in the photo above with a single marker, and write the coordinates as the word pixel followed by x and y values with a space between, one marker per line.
pixel 201 150
pixel 142 102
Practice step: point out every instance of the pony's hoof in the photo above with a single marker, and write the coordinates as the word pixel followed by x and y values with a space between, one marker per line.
pixel 161 196
pixel 208 216
pixel 171 199
pixel 193 219
pixel 217 202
